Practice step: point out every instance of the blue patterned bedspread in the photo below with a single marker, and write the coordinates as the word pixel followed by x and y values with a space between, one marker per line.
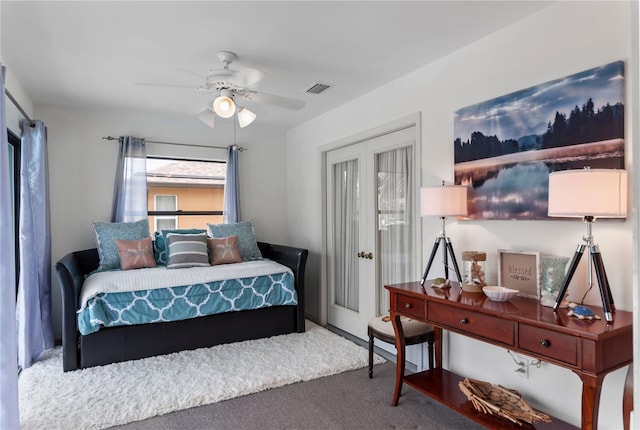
pixel 190 301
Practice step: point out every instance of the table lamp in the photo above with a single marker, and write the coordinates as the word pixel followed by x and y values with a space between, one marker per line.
pixel 443 201
pixel 589 194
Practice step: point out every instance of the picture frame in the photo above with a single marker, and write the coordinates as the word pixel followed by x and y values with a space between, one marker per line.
pixel 520 270
pixel 505 147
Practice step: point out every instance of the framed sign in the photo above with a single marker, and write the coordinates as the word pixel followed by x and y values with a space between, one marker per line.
pixel 520 270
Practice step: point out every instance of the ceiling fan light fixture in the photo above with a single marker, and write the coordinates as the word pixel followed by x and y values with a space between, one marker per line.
pixel 223 105
pixel 207 117
pixel 245 117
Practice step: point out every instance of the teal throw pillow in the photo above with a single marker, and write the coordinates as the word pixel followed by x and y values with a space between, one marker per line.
pixel 106 235
pixel 160 242
pixel 246 238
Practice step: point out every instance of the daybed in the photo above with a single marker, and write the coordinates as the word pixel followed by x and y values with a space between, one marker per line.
pixel 115 344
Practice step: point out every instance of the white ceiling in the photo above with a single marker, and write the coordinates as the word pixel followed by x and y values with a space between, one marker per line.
pixel 95 54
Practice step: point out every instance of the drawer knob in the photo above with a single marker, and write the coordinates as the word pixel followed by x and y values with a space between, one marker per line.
pixel 407 305
pixel 464 320
pixel 545 343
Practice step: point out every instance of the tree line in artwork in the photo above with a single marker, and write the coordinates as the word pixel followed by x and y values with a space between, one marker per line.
pixel 583 125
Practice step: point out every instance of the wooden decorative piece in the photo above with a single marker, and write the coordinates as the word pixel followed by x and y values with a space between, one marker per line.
pixel 497 400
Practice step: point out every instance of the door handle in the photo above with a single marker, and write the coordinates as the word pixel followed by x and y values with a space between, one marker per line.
pixel 361 254
pixel 369 256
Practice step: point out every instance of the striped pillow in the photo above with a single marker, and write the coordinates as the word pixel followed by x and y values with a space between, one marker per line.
pixel 187 250
pixel 160 244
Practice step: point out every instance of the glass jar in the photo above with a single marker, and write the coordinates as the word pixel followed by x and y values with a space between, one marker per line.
pixel 553 269
pixel 473 274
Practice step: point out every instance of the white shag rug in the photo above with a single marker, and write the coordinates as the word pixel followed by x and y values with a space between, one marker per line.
pixel 120 393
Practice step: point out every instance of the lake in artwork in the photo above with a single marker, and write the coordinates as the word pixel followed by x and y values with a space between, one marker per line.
pixel 506 147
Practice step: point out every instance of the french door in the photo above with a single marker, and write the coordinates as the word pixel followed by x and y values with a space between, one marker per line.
pixel 371 227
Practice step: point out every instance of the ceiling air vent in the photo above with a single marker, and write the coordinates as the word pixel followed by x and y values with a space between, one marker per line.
pixel 317 88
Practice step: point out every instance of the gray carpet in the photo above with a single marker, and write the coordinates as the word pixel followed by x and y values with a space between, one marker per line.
pixel 346 401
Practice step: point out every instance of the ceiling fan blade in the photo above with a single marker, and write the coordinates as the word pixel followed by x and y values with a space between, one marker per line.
pixel 279 101
pixel 184 69
pixel 251 76
pixel 243 77
pixel 151 84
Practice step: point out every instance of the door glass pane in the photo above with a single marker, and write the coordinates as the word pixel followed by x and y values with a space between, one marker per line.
pixel 396 232
pixel 345 238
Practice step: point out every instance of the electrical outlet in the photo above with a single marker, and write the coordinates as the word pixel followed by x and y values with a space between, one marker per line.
pixel 523 368
pixel 523 365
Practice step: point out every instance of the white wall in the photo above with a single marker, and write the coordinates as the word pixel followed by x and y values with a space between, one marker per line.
pixel 20 95
pixel 82 169
pixel 563 39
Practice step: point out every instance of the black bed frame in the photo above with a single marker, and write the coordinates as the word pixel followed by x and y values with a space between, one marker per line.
pixel 114 344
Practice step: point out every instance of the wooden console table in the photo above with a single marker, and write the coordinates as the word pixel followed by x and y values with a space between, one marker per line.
pixel 591 349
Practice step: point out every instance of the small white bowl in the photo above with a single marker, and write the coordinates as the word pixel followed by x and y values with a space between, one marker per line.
pixel 499 294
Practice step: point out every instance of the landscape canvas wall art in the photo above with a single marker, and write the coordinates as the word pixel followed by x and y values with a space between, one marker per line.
pixel 505 148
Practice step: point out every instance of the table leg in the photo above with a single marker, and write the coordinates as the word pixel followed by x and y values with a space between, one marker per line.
pixel 437 343
pixel 400 358
pixel 591 390
pixel 627 399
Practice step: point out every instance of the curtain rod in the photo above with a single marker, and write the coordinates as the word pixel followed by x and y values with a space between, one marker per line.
pixel 240 148
pixel 16 104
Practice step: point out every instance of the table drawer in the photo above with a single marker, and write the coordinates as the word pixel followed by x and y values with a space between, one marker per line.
pixel 547 343
pixel 473 323
pixel 410 306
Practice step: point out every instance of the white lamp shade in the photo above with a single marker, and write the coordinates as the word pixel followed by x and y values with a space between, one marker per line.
pixel 444 200
pixel 588 192
pixel 224 106
pixel 207 117
pixel 245 117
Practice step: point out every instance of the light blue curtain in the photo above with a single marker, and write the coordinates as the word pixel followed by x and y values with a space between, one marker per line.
pixel 130 188
pixel 231 205
pixel 35 327
pixel 8 343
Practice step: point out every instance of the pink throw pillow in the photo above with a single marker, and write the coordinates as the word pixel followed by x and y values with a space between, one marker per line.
pixel 224 250
pixel 135 254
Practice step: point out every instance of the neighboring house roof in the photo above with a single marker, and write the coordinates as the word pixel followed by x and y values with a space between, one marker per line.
pixel 178 173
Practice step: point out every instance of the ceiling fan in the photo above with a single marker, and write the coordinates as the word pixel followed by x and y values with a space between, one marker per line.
pixel 231 87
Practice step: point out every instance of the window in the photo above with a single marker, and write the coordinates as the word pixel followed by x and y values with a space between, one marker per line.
pixel 184 193
pixel 166 203
pixel 14 183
